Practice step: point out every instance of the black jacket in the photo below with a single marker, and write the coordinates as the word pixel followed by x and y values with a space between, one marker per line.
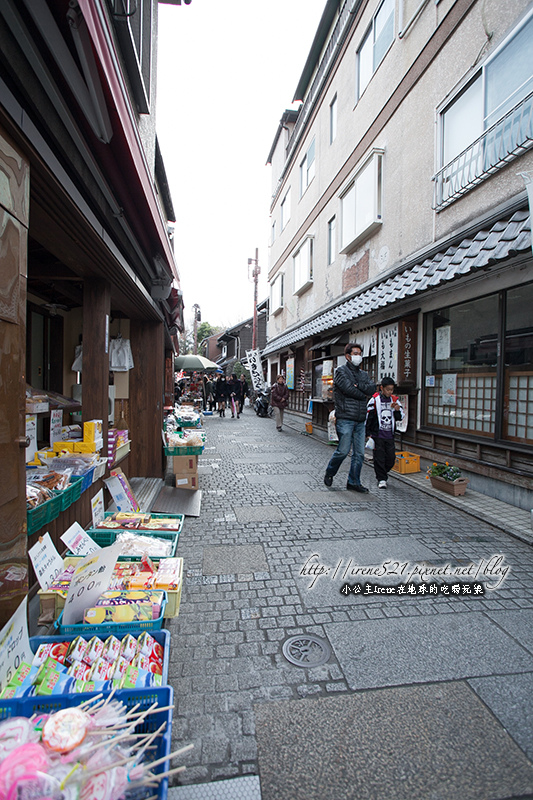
pixel 351 389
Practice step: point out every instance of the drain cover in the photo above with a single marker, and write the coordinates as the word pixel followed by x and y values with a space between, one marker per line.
pixel 306 651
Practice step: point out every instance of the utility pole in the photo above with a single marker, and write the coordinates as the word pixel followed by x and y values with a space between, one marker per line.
pixel 197 319
pixel 255 276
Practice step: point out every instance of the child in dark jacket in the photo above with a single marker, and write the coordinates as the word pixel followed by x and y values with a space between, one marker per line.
pixel 384 410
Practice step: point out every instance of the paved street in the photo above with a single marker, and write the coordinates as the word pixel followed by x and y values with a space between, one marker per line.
pixel 424 694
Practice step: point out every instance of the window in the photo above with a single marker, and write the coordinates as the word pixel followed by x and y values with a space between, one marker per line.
pixel 273 238
pixel 374 46
pixel 333 120
pixel 361 204
pixel 518 391
pixel 276 294
pixel 489 121
pixel 307 168
pixel 331 240
pixel 303 267
pixel 285 209
pixel 134 23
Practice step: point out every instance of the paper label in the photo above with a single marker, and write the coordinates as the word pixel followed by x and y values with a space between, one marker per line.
pixel 78 541
pixel 46 561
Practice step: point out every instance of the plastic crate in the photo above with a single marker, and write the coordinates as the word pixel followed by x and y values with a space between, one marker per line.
pixel 406 462
pixel 184 451
pixel 43 514
pixel 87 479
pixel 100 468
pixel 162 637
pixel 105 538
pixel 142 698
pixel 71 493
pixel 116 628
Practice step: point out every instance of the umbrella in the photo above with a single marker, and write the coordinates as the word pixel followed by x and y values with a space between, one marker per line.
pixel 194 363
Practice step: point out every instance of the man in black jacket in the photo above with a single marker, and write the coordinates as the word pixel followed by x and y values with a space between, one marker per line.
pixel 351 389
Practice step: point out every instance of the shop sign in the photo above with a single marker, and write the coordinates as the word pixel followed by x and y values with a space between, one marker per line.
pixel 47 563
pixel 289 366
pixel 78 541
pixel 90 578
pixel 407 340
pixel 14 644
pixel 388 352
pixel 56 423
pixel 254 367
pixel 327 369
pixel 449 389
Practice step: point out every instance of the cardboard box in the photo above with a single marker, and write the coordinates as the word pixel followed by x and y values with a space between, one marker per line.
pixel 92 430
pixel 66 446
pixel 187 480
pixel 88 447
pixel 184 465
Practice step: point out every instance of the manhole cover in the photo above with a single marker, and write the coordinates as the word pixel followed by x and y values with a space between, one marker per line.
pixel 306 651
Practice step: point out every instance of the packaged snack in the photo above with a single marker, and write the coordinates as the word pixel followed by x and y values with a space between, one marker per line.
pixel 111 649
pixel 128 647
pixel 99 670
pixel 76 650
pixel 79 670
pixel 138 678
pixel 155 665
pixel 91 686
pixel 141 661
pixel 145 643
pixel 21 675
pixel 117 670
pixel 95 648
pixel 54 682
pixel 118 614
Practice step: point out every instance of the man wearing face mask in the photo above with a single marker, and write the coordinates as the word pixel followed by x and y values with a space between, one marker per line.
pixel 351 389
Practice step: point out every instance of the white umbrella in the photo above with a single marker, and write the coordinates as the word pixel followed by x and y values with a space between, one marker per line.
pixel 192 363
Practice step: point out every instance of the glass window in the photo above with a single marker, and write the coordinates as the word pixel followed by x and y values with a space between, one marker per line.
pixel 374 46
pixel 462 122
pixel 361 204
pixel 461 357
pixel 332 225
pixel 276 294
pixel 285 209
pixel 307 168
pixel 518 390
pixel 273 239
pixel 303 266
pixel 333 120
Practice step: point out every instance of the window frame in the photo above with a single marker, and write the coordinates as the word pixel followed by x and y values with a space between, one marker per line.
pixel 279 280
pixel 333 120
pixel 308 168
pixel 303 285
pixel 376 221
pixel 285 217
pixel 371 32
pixel 332 240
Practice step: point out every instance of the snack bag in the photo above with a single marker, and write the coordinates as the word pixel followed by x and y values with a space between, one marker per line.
pixel 76 650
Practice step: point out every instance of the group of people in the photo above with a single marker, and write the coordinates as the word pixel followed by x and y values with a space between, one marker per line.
pixel 226 393
pixel 361 411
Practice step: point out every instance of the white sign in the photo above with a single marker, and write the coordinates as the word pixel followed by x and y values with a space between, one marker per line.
pixel 449 389
pixel 443 343
pixel 46 561
pixel 388 351
pixel 255 369
pixel 56 423
pixel 31 433
pixel 401 426
pixel 14 644
pixel 430 380
pixel 118 493
pixel 78 541
pixel 91 577
pixel 97 508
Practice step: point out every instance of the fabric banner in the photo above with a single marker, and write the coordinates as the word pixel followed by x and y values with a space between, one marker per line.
pixel 255 369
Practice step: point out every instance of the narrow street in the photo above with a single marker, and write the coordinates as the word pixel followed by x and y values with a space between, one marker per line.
pixel 422 695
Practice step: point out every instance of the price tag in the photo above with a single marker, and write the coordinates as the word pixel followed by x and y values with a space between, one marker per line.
pixel 78 541
pixel 14 644
pixel 97 508
pixel 91 577
pixel 46 561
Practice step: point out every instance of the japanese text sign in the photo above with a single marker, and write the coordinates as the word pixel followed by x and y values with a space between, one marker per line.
pixel 78 541
pixel 46 561
pixel 91 577
pixel 14 644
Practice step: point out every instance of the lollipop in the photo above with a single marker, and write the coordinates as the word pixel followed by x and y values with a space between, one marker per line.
pixel 24 762
pixel 14 732
pixel 65 730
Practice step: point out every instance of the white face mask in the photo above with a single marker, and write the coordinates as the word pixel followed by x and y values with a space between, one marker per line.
pixel 356 360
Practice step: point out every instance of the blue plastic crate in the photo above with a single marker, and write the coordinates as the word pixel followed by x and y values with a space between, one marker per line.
pixel 143 698
pixel 116 628
pixel 87 479
pixel 162 637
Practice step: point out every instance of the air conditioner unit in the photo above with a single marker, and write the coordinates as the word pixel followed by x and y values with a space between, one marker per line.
pixel 76 395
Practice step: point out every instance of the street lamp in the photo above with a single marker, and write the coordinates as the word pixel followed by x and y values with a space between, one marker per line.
pixel 197 319
pixel 255 277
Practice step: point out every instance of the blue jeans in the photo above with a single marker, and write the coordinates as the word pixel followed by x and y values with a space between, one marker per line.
pixel 351 435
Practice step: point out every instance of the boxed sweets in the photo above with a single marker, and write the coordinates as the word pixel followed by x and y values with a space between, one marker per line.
pixel 135 612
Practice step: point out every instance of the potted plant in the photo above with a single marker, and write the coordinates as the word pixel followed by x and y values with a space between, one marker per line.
pixel 447 478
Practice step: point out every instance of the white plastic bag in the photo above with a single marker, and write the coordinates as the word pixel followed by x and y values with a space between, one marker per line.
pixel 120 357
pixel 332 429
pixel 370 444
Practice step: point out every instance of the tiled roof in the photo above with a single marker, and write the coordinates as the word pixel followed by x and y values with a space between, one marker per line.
pixel 504 239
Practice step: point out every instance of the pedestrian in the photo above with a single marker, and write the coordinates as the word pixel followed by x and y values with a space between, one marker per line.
pixel 234 393
pixel 210 392
pixel 384 410
pixel 351 389
pixel 279 400
pixel 245 391
pixel 221 395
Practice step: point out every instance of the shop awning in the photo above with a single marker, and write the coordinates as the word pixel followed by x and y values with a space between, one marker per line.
pixel 327 342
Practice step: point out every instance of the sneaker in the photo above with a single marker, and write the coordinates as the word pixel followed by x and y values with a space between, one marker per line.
pixel 328 479
pixel 356 487
pixel 279 429
pixel 382 485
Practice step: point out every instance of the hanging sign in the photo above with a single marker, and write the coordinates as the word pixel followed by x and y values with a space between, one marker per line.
pixel 388 351
pixel 256 371
pixel 56 423
pixel 31 433
pixel 289 366
pixel 47 563
pixel 78 541
pixel 14 644
pixel 407 339
pixel 90 578
pixel 401 426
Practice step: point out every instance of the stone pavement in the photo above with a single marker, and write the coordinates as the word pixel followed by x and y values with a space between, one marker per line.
pixel 423 695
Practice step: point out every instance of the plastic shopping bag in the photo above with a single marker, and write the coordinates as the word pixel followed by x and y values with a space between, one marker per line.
pixel 332 429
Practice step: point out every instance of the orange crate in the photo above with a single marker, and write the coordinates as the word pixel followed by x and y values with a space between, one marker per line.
pixel 406 462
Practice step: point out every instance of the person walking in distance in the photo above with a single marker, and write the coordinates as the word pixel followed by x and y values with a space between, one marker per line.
pixel 279 400
pixel 384 410
pixel 351 389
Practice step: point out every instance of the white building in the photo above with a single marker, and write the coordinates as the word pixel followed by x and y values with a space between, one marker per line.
pixel 400 219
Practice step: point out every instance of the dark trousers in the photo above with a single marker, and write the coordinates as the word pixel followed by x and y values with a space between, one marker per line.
pixel 384 458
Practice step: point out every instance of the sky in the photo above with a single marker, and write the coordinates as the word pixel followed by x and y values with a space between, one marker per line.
pixel 227 70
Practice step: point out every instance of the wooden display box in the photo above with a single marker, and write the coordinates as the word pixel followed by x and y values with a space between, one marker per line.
pixel 406 462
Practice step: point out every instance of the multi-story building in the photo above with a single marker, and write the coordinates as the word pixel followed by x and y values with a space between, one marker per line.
pixel 86 254
pixel 400 220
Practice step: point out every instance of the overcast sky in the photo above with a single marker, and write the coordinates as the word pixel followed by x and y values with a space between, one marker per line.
pixel 227 70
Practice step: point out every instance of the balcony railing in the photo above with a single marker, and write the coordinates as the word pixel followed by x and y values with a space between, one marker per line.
pixel 504 141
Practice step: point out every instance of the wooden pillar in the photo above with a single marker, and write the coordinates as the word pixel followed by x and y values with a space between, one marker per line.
pixel 146 399
pixel 14 214
pixel 95 372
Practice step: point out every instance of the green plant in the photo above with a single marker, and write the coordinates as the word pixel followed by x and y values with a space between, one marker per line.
pixel 445 471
